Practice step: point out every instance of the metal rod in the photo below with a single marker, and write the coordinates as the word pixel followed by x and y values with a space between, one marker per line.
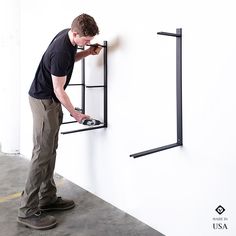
pixel 83 87
pixel 81 130
pixel 96 45
pixel 68 122
pixel 95 86
pixel 75 85
pixel 154 150
pixel 105 82
pixel 179 87
pixel 169 34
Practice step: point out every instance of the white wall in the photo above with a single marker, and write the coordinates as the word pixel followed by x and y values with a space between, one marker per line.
pixel 10 76
pixel 175 191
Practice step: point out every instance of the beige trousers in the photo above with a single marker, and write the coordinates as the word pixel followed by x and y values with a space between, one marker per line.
pixel 40 188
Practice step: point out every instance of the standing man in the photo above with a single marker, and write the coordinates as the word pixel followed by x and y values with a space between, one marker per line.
pixel 46 95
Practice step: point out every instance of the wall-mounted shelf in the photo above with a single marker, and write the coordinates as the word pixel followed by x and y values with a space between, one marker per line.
pixel 179 141
pixel 83 92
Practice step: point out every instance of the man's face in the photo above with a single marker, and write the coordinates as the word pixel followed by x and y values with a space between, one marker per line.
pixel 82 41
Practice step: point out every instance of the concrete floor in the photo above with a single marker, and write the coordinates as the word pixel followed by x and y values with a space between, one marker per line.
pixel 91 216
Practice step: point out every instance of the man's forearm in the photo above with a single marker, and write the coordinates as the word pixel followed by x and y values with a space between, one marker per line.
pixel 58 86
pixel 65 101
pixel 82 54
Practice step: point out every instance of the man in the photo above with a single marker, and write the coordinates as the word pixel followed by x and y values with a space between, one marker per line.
pixel 46 95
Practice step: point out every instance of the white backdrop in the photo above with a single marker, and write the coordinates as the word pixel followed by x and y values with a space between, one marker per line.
pixel 175 191
pixel 10 76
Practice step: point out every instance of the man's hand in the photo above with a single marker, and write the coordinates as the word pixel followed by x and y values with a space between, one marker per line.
pixel 79 116
pixel 94 49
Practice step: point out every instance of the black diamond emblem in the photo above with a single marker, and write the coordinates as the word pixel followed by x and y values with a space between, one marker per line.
pixel 220 209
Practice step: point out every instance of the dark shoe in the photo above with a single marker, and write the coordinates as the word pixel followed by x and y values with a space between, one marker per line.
pixel 59 205
pixel 38 221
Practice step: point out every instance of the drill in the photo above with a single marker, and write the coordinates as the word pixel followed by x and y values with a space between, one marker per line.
pixel 89 122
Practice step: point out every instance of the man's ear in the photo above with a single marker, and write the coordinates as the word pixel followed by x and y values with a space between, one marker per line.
pixel 74 34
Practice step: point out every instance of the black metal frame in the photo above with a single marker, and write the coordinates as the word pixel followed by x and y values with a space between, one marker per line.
pixel 83 91
pixel 179 141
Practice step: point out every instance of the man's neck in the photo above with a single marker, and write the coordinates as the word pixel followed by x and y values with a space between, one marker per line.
pixel 70 34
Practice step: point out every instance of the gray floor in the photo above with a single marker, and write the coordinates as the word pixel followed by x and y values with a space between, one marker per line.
pixel 91 216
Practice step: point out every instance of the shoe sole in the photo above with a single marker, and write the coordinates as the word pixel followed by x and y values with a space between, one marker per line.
pixel 57 208
pixel 36 227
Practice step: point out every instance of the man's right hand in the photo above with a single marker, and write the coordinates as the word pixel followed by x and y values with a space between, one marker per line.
pixel 79 116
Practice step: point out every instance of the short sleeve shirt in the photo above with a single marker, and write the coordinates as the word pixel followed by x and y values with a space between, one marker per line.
pixel 58 60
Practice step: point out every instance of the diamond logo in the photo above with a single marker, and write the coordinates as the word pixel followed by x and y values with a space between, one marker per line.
pixel 220 209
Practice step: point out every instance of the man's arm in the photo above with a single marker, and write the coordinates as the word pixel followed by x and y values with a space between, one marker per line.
pixel 82 54
pixel 58 86
pixel 92 50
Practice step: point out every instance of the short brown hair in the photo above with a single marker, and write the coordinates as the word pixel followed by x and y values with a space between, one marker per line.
pixel 85 25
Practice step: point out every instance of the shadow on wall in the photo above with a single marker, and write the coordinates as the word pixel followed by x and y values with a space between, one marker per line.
pixel 113 45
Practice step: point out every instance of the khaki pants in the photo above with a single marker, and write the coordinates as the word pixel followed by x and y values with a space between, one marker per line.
pixel 40 188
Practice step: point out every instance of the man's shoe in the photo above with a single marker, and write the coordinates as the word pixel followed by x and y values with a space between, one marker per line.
pixel 59 205
pixel 38 221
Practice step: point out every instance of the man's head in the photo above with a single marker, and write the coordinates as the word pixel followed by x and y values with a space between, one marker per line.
pixel 84 28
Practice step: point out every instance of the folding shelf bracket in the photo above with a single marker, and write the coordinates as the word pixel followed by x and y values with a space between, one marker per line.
pixel 179 142
pixel 83 91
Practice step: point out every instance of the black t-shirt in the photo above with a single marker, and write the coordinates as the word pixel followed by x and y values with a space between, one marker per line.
pixel 58 60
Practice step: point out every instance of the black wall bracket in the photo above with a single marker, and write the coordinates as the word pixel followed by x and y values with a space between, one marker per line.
pixel 83 92
pixel 179 142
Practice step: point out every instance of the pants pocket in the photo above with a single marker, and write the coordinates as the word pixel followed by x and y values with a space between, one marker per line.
pixel 48 104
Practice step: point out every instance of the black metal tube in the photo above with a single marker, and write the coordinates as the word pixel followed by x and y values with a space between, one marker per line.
pixel 169 34
pixel 154 150
pixel 179 87
pixel 69 122
pixel 81 130
pixel 96 45
pixel 75 85
pixel 105 82
pixel 83 85
pixel 95 86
